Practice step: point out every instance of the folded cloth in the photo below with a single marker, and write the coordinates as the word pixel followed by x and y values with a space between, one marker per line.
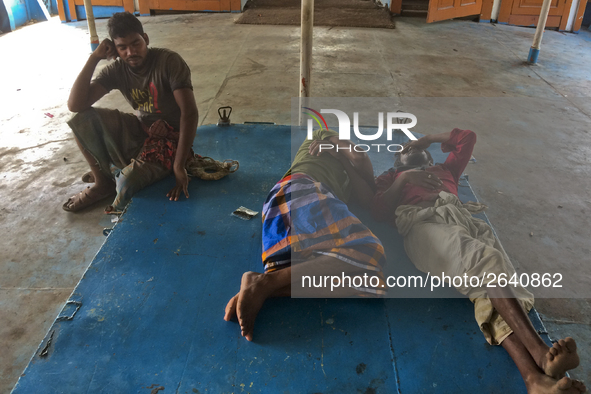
pixel 161 145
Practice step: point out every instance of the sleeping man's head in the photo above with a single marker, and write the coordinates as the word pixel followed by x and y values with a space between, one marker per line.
pixel 412 158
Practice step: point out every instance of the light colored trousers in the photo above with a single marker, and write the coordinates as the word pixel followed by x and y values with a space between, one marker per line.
pixel 447 239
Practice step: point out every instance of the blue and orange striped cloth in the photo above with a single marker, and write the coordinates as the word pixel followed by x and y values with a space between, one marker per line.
pixel 302 217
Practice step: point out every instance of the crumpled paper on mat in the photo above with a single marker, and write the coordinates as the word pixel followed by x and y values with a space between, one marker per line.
pixel 244 213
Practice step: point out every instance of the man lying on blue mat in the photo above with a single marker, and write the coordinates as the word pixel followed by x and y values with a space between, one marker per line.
pixel 306 222
pixel 442 236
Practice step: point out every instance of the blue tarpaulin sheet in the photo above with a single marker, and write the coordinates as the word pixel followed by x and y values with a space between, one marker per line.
pixel 147 316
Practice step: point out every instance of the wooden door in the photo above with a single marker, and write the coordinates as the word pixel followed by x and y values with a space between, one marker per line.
pixel 440 10
pixel 527 12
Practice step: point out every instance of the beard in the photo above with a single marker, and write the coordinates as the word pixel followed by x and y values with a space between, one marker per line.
pixel 416 159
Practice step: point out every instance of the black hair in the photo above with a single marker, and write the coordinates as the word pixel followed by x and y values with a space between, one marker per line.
pixel 398 163
pixel 121 24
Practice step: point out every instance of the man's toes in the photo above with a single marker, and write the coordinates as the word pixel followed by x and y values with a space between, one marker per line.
pixel 564 383
pixel 570 344
pixel 231 308
pixel 247 328
pixel 579 386
pixel 247 334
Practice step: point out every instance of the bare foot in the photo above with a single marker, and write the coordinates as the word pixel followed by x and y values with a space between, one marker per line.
pixel 561 357
pixel 252 295
pixel 255 288
pixel 543 384
pixel 231 308
pixel 579 386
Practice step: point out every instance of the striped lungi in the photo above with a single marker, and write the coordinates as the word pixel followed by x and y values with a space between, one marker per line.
pixel 303 218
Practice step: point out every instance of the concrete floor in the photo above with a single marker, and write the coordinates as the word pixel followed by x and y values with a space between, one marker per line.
pixel 522 173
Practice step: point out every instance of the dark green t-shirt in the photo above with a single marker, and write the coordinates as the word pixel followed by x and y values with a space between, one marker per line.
pixel 150 92
pixel 323 168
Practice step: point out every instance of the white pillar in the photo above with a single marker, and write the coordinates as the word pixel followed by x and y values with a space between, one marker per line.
pixel 94 41
pixel 535 48
pixel 306 52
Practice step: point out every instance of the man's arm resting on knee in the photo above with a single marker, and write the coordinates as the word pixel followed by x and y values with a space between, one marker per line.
pixel 189 120
pixel 85 93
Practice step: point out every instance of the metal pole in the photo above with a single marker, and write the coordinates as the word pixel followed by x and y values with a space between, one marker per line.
pixel 534 51
pixel 306 52
pixel 94 41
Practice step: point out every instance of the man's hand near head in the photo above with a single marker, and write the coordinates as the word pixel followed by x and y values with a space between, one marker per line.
pixel 106 50
pixel 85 93
pixel 426 141
pixel 421 144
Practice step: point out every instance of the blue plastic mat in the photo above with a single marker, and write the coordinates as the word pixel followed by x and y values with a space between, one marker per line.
pixel 147 316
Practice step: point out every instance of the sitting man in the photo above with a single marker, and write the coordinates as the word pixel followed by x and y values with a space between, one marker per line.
pixel 142 149
pixel 441 236
pixel 306 222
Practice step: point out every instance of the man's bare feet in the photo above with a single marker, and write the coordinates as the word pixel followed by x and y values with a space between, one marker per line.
pixel 580 386
pixel 231 308
pixel 561 357
pixel 246 304
pixel 543 384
